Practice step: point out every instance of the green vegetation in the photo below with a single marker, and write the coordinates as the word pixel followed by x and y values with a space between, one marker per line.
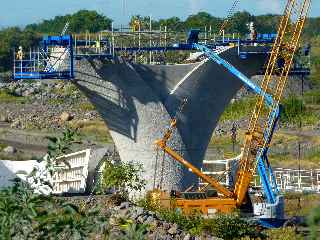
pixel 59 146
pixel 238 109
pixel 26 215
pixel 296 111
pixel 300 204
pixel 86 106
pixel 95 130
pixel 312 97
pixel 225 226
pixel 8 97
pixel 14 37
pixel 122 177
pixel 193 223
pixel 314 223
pixel 283 234
pixel 80 22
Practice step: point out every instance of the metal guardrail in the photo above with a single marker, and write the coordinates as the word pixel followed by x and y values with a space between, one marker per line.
pixel 287 179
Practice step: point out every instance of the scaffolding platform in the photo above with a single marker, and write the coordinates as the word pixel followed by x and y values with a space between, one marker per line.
pixel 53 60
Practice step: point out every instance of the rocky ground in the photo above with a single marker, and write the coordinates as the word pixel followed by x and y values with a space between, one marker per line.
pixel 44 105
pixel 122 216
pixel 33 110
pixel 30 111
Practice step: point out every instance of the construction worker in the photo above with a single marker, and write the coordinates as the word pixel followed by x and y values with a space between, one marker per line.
pixel 136 25
pixel 233 131
pixel 98 44
pixel 20 53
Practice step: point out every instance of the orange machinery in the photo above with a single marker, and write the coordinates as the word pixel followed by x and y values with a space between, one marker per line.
pixel 259 132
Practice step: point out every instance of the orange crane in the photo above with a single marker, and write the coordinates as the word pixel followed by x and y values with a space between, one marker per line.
pixel 261 126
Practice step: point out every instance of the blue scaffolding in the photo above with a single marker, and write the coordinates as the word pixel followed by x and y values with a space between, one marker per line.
pixel 54 60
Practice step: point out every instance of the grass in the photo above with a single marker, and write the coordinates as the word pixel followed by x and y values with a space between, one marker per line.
pixel 93 129
pixel 312 97
pixel 283 234
pixel 19 156
pixel 55 101
pixel 238 109
pixel 86 106
pixel 8 97
pixel 2 146
pixel 66 91
pixel 300 204
pixel 292 114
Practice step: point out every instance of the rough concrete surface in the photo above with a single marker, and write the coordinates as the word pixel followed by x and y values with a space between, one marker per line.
pixel 138 101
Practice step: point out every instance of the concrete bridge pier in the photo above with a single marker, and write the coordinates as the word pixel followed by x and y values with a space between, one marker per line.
pixel 137 102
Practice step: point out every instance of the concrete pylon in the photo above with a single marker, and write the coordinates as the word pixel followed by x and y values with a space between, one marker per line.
pixel 137 102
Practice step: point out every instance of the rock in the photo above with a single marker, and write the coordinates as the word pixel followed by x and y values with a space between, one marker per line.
pixel 65 117
pixel 59 86
pixel 15 124
pixel 187 237
pixel 4 118
pixel 10 150
pixel 124 205
pixel 139 210
pixel 166 226
pixel 28 92
pixel 149 220
pixel 18 91
pixel 140 219
pixel 173 230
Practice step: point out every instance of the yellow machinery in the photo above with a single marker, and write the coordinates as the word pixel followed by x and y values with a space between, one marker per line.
pixel 229 16
pixel 259 133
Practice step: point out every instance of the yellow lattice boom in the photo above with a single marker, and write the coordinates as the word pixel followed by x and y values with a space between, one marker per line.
pixel 229 16
pixel 280 62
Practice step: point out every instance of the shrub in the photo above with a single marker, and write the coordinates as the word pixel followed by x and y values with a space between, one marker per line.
pixel 59 146
pixel 192 223
pixel 26 215
pixel 314 223
pixel 122 177
pixel 283 234
pixel 230 226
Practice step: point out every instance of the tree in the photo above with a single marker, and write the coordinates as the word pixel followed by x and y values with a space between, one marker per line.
pixel 173 23
pixel 10 39
pixel 81 21
pixel 202 19
pixel 239 21
pixel 267 23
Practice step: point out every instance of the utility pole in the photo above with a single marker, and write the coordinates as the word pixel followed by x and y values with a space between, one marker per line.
pixel 234 136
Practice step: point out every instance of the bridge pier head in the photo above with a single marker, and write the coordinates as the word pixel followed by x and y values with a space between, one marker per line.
pixel 138 101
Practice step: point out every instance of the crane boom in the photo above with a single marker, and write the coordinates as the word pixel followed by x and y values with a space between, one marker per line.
pixel 261 124
pixel 214 183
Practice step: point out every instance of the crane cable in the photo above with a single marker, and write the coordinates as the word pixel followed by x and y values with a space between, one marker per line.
pixel 229 16
pixel 167 135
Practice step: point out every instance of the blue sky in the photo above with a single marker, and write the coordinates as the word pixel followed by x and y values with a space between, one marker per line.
pixel 22 12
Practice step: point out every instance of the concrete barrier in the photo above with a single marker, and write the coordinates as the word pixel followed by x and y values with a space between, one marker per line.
pixel 74 172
